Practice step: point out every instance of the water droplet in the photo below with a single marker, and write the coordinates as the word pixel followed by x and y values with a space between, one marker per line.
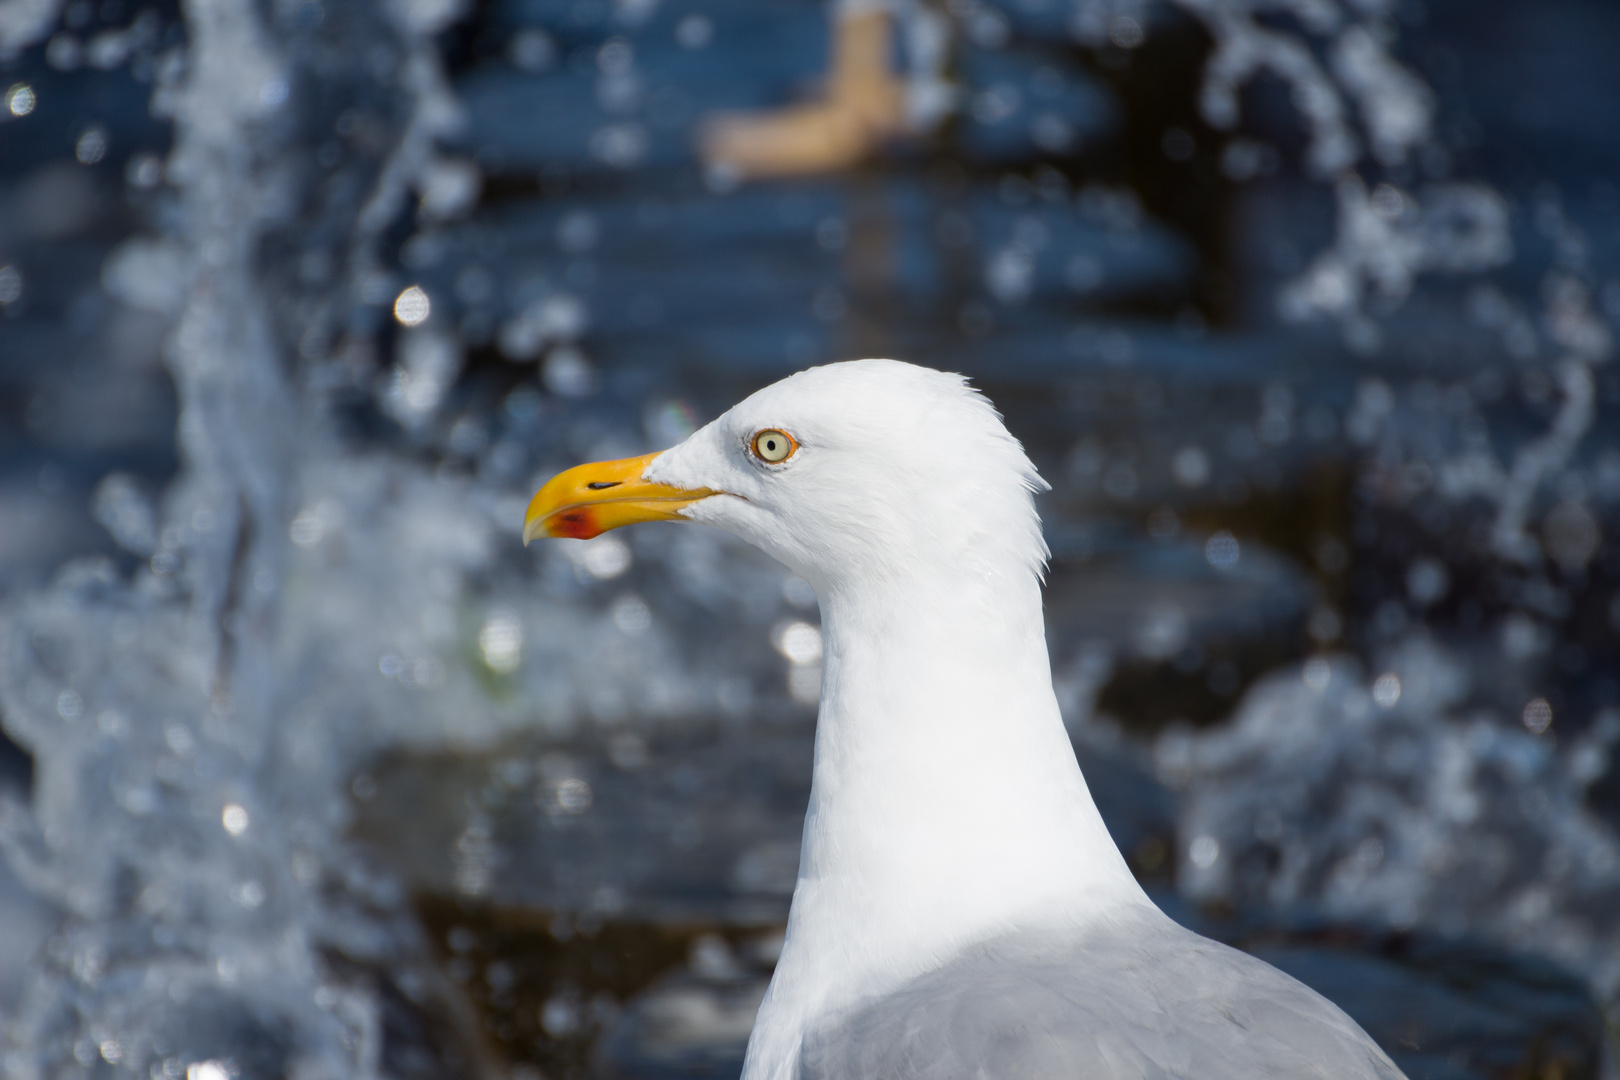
pixel 235 819
pixel 1538 716
pixel 20 99
pixel 1222 550
pixel 412 307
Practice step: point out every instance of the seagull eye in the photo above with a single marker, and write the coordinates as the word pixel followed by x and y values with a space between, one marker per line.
pixel 772 446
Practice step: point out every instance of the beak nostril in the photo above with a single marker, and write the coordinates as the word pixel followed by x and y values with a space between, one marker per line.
pixel 599 485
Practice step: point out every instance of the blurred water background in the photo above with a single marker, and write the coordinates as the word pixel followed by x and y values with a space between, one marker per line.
pixel 310 770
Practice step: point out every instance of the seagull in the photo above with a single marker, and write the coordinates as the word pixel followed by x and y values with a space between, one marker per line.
pixel 960 911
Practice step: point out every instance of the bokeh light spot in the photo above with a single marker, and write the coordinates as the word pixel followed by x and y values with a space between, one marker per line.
pixel 20 99
pixel 412 307
pixel 1222 550
pixel 1538 716
pixel 604 558
pixel 92 146
pixel 235 819
pixel 500 640
pixel 799 642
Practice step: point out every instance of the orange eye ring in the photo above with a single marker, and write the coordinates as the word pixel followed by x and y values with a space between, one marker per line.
pixel 774 446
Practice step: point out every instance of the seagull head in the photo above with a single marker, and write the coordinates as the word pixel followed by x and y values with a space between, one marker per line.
pixel 863 470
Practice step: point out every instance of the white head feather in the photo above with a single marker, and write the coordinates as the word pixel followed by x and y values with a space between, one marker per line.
pixel 899 469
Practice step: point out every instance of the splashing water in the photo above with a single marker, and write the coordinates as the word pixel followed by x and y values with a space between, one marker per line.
pixel 1382 799
pixel 184 806
pixel 296 605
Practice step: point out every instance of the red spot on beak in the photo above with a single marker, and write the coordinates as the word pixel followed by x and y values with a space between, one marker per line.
pixel 578 523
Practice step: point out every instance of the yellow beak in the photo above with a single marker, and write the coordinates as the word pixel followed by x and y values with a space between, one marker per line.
pixel 588 500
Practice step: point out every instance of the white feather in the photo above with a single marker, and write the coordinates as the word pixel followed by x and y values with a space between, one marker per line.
pixel 947 808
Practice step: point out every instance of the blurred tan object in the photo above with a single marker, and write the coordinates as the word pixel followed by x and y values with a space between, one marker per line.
pixel 864 106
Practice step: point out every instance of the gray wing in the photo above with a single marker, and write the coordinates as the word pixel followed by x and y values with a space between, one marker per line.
pixel 1140 999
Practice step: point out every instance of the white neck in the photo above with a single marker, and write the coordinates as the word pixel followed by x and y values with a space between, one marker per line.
pixel 946 804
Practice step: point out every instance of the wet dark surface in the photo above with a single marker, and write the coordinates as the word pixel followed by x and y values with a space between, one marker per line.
pixel 658 979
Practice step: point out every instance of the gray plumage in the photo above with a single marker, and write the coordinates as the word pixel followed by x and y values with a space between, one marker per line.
pixel 1139 998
